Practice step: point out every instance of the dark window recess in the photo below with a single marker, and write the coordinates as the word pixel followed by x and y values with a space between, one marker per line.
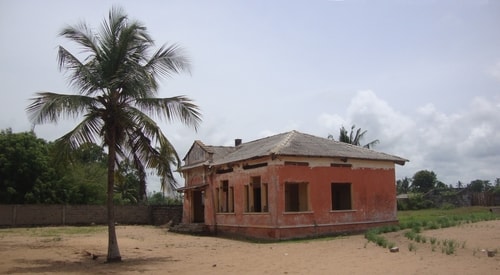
pixel 225 197
pixel 341 196
pixel 256 196
pixel 296 197
pixel 344 165
pixel 253 166
pixel 224 171
pixel 296 163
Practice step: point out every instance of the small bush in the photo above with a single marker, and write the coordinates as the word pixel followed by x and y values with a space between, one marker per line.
pixel 158 198
pixel 416 228
pixel 433 240
pixel 432 225
pixel 373 235
pixel 449 247
pixel 410 234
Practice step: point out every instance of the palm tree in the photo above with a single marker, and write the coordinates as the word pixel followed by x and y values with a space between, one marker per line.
pixel 354 138
pixel 117 84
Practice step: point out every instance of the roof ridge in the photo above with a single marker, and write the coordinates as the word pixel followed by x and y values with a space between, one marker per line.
pixel 204 146
pixel 284 142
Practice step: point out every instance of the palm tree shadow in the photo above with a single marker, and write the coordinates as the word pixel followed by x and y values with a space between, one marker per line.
pixel 87 265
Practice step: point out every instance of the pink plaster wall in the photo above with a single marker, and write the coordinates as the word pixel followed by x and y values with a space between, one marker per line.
pixel 373 201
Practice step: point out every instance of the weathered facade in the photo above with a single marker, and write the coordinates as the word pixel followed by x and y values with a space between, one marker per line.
pixel 289 185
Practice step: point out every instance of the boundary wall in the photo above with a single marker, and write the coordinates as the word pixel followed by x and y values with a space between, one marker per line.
pixel 20 215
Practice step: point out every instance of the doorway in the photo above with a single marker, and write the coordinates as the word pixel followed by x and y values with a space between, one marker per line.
pixel 198 207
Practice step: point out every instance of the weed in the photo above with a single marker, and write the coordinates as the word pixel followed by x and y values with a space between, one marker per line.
pixel 433 240
pixel 449 247
pixel 373 236
pixel 412 247
pixel 418 238
pixel 410 235
pixel 55 239
pixel 416 228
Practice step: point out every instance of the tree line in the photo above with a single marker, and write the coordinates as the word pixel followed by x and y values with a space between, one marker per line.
pixel 424 181
pixel 32 172
pixel 424 190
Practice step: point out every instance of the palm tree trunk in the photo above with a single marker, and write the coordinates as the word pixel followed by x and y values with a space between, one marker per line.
pixel 113 250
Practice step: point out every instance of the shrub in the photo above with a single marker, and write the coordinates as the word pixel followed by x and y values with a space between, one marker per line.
pixel 410 234
pixel 433 240
pixel 158 198
pixel 415 201
pixel 373 235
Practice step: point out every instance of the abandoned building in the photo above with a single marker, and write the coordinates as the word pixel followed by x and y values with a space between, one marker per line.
pixel 289 185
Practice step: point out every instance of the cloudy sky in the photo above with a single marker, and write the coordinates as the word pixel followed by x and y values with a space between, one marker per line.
pixel 423 77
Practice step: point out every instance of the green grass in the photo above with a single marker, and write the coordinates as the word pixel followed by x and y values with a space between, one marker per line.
pixel 418 220
pixel 442 218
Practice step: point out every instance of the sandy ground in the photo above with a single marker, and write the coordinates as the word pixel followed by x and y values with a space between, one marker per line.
pixel 153 250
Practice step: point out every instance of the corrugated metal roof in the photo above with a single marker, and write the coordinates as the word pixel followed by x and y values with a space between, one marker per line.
pixel 295 143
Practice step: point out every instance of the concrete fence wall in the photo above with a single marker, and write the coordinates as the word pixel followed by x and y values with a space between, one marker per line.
pixel 39 215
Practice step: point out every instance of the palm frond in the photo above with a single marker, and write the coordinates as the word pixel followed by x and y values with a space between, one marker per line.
pixel 87 131
pixel 82 35
pixel 50 107
pixel 168 60
pixel 371 144
pixel 178 107
pixel 84 77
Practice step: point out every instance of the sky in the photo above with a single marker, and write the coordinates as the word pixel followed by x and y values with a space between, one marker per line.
pixel 422 77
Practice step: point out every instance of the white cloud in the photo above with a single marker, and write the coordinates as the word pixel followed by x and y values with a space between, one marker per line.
pixel 329 121
pixel 381 121
pixel 458 146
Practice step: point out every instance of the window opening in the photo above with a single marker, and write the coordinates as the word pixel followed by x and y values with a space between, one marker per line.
pixel 225 197
pixel 296 197
pixel 256 196
pixel 341 196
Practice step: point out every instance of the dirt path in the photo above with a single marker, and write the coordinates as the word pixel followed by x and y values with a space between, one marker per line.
pixel 151 250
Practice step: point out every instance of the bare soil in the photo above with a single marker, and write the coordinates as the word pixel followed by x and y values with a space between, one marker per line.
pixel 153 250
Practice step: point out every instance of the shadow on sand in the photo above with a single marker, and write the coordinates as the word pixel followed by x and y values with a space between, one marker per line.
pixel 86 265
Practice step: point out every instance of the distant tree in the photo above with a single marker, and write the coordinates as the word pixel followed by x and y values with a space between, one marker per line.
pixel 89 153
pixel 159 198
pixel 496 188
pixel 354 138
pixel 479 185
pixel 440 185
pixel 424 181
pixel 24 162
pixel 81 180
pixel 403 185
pixel 127 183
pixel 117 82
